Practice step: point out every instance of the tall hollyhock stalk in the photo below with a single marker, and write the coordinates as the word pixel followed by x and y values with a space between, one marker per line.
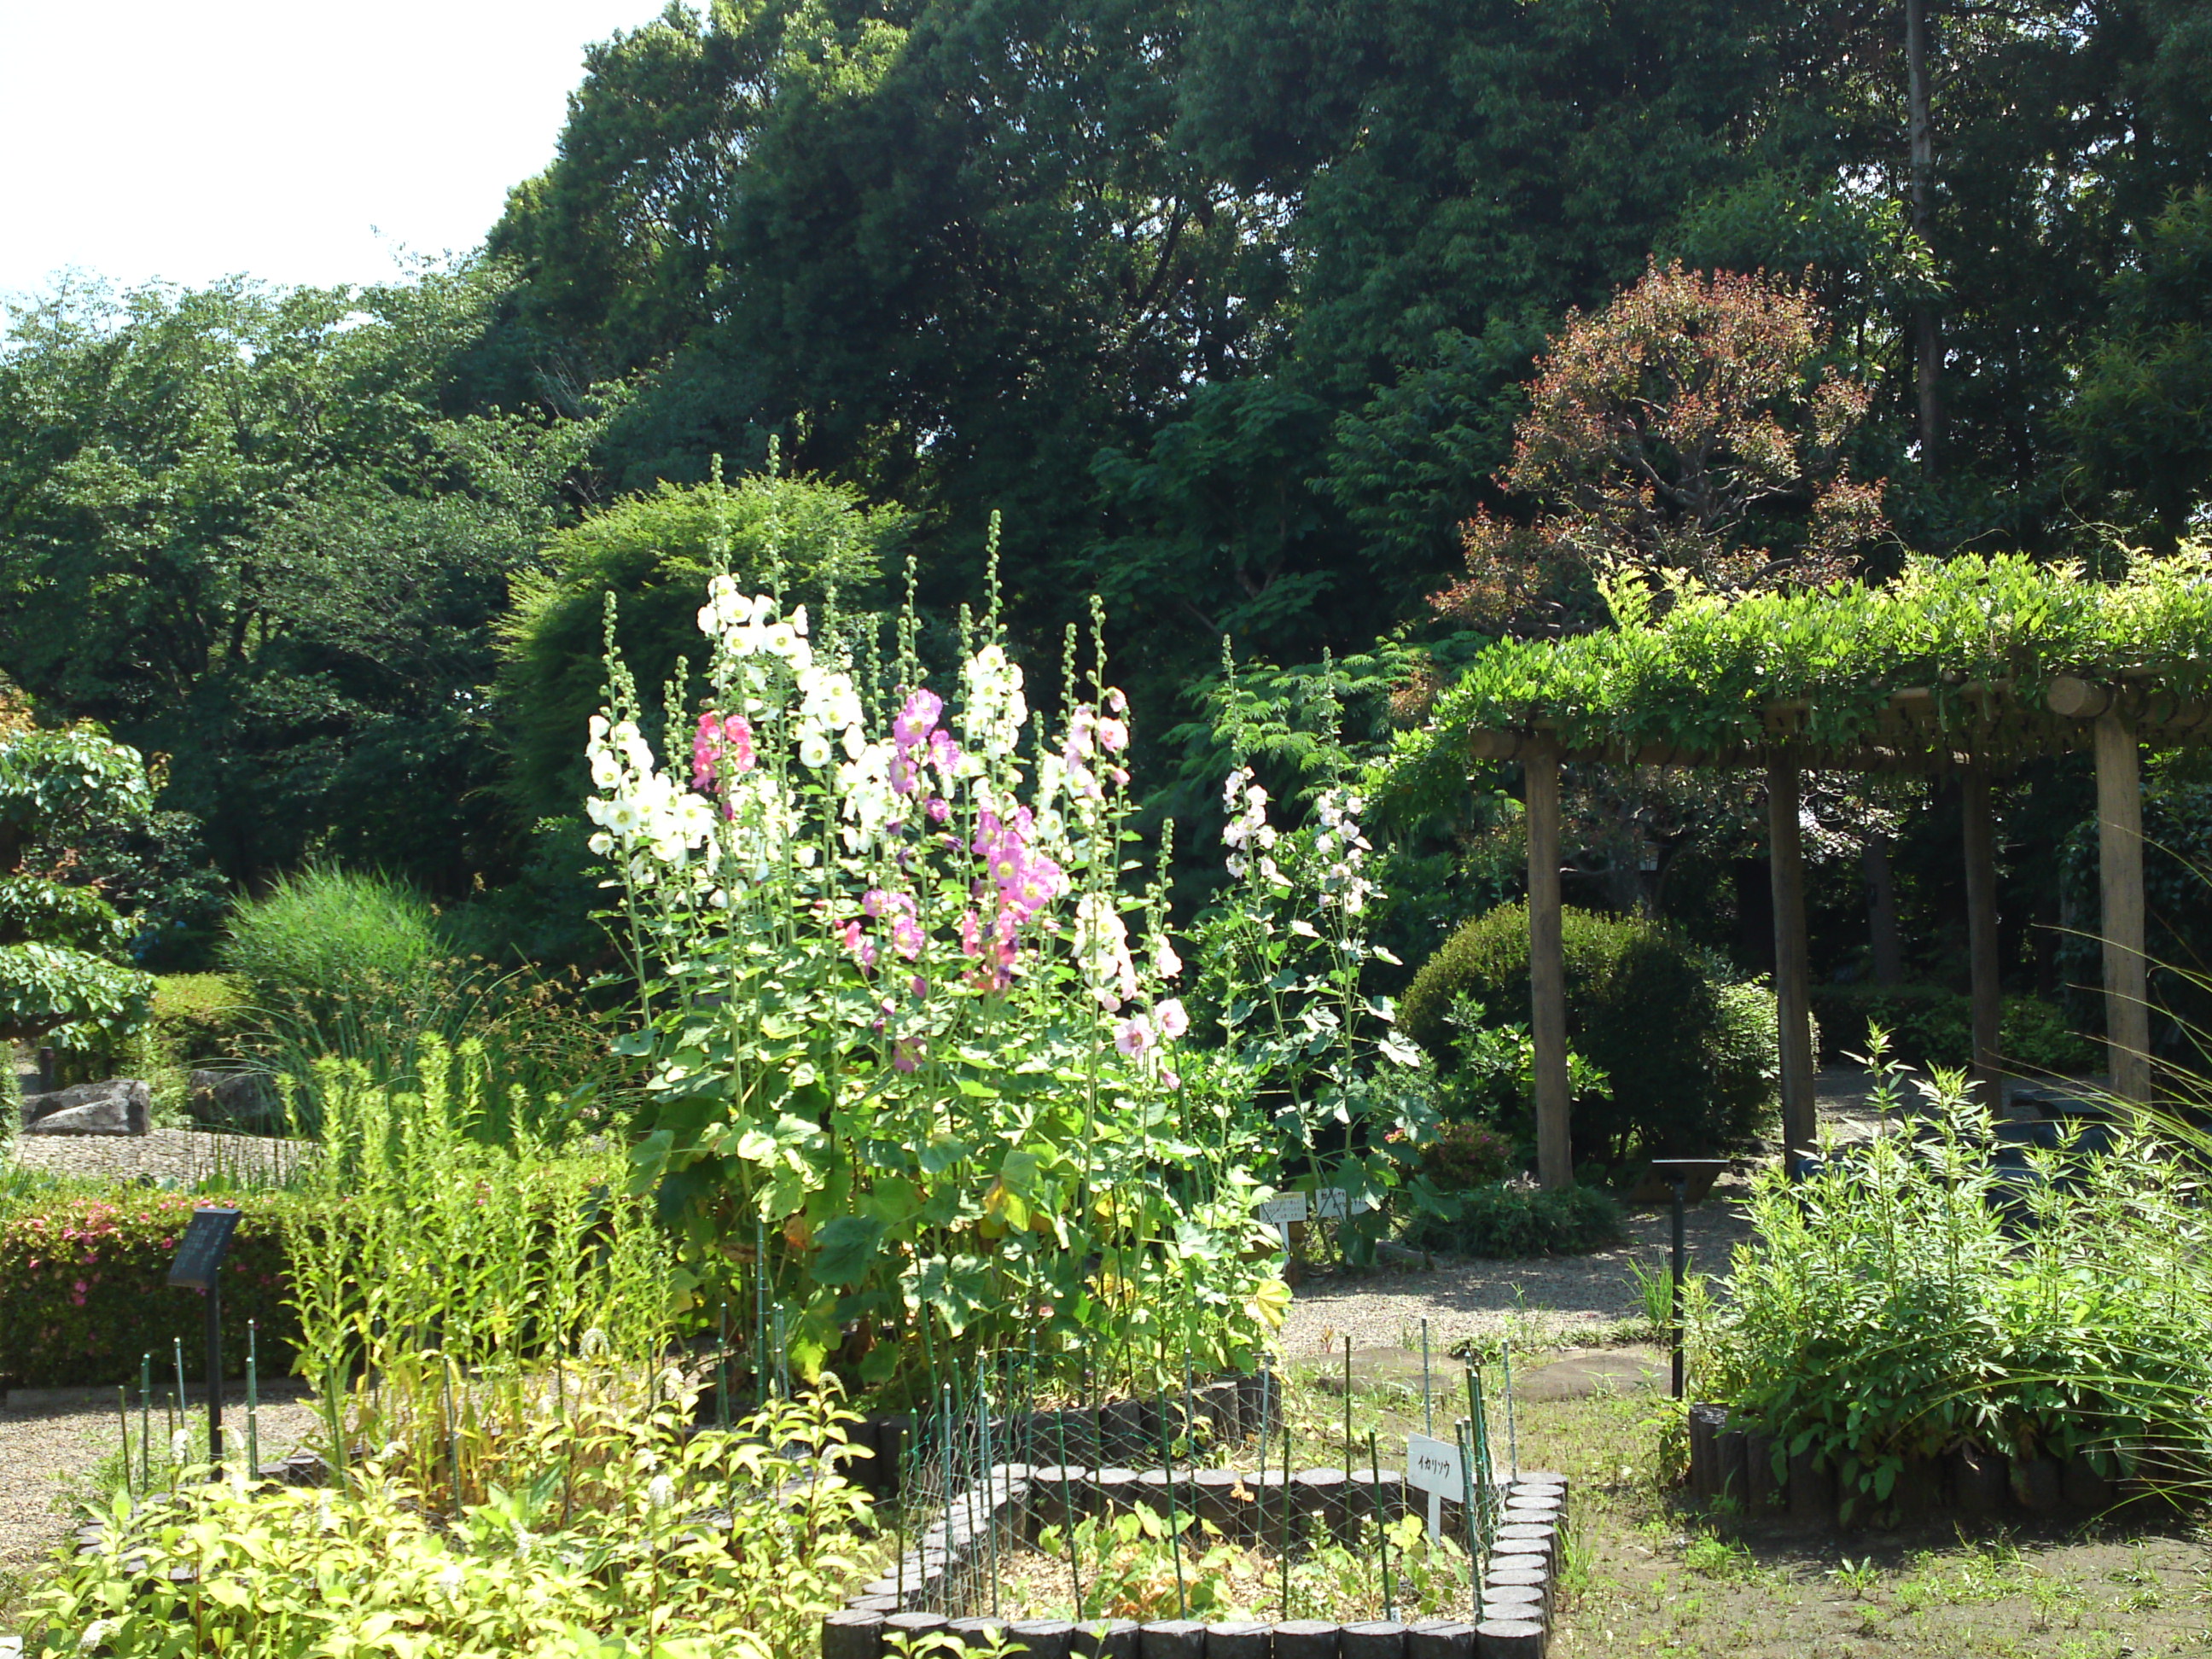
pixel 908 1033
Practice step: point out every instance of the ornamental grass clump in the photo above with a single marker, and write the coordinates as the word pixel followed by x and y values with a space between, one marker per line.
pixel 1914 1297
pixel 915 1087
pixel 610 1531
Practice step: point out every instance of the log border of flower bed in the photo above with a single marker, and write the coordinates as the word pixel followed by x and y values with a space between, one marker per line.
pixel 1966 668
pixel 1016 1500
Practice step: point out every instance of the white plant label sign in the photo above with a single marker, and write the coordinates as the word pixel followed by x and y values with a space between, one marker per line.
pixel 1278 1212
pixel 1432 1466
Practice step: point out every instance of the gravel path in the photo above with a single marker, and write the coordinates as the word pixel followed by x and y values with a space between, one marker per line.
pixel 43 1451
pixel 182 1156
pixel 1542 1301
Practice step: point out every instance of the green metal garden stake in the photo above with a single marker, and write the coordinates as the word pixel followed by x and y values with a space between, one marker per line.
pixel 145 1422
pixel 1067 1511
pixel 177 1343
pixel 123 1411
pixel 1382 1527
pixel 1175 1536
pixel 1428 1421
pixel 1285 1541
pixel 1466 1443
pixel 252 1400
pixel 1348 1411
pixel 1512 1429
pixel 722 1367
pixel 990 1479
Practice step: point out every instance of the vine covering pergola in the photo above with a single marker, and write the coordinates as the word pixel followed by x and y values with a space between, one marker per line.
pixel 1967 668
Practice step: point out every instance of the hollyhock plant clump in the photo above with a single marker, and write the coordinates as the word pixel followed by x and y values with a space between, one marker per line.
pixel 915 1045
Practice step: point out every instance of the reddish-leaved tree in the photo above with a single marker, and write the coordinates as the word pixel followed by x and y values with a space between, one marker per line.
pixel 1694 428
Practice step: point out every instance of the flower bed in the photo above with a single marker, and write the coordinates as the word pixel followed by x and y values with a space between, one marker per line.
pixel 1257 1527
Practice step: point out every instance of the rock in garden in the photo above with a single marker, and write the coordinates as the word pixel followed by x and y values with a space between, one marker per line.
pixel 230 1098
pixel 121 1106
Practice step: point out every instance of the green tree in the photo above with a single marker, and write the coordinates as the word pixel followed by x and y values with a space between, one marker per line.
pixel 654 554
pixel 63 976
pixel 2143 417
pixel 243 527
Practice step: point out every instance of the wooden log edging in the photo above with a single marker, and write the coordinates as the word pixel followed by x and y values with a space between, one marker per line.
pixel 1513 1619
pixel 1735 1459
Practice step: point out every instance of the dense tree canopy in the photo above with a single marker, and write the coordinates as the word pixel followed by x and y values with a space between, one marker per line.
pixel 1229 307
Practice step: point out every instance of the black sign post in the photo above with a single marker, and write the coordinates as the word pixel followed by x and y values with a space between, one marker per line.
pixel 198 1267
pixel 1679 1173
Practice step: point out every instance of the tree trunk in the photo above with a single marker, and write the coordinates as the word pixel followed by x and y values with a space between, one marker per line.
pixel 1883 939
pixel 1927 335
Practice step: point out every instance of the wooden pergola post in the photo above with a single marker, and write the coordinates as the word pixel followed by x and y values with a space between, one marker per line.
pixel 1792 966
pixel 1547 968
pixel 2120 874
pixel 1980 838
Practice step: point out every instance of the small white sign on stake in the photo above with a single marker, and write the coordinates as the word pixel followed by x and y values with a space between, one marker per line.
pixel 1432 1466
pixel 1279 1212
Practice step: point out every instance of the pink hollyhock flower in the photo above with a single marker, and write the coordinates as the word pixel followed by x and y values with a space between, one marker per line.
pixel 1172 1019
pixel 1173 1080
pixel 76 1297
pixel 719 744
pixel 920 986
pixel 1133 1036
pixel 938 810
pixel 972 935
pixel 862 947
pixel 912 723
pixel 907 1053
pixel 1113 736
pixel 906 937
pixel 874 900
pixel 944 753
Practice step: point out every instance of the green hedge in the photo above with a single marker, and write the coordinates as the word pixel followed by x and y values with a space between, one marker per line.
pixel 1689 1056
pixel 82 1293
pixel 1929 1025
pixel 1508 1220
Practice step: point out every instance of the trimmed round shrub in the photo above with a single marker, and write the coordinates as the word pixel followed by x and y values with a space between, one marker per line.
pixel 1690 1057
pixel 1509 1219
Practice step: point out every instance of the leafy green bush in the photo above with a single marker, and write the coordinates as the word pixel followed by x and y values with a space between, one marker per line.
pixel 1887 1308
pixel 198 1016
pixel 1688 1069
pixel 82 1293
pixel 63 978
pixel 591 1547
pixel 1464 1155
pixel 1510 1219
pixel 1929 1026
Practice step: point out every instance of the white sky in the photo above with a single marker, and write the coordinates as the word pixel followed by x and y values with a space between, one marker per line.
pixel 192 139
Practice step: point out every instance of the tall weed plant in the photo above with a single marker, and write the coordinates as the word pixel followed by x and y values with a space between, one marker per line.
pixel 1912 1297
pixel 452 1290
pixel 614 1532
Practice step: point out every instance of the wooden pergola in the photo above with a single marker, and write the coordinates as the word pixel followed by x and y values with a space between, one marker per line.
pixel 1972 732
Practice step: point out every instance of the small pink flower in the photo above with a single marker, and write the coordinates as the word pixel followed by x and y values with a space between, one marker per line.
pixel 1134 1037
pixel 1113 736
pixel 77 1299
pixel 1172 1019
pixel 906 937
pixel 873 900
pixel 920 986
pixel 972 935
pixel 862 947
pixel 1171 1079
pixel 938 810
pixel 907 1053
